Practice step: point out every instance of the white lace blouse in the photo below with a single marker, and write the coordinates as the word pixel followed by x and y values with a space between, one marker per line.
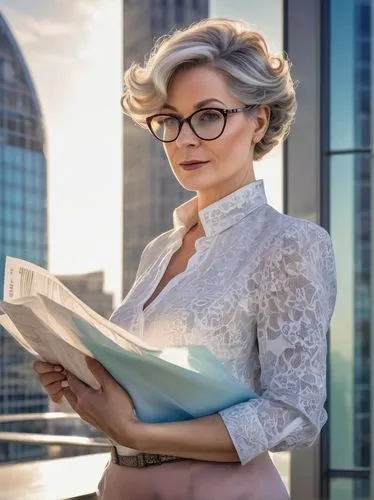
pixel 259 292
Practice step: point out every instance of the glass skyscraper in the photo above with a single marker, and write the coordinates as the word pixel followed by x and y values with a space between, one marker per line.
pixel 23 221
pixel 150 191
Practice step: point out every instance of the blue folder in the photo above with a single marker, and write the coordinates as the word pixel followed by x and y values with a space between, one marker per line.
pixel 173 384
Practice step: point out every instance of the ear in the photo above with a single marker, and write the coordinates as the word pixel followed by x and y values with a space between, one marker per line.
pixel 261 122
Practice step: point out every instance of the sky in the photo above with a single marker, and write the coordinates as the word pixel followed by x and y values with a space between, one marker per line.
pixel 73 49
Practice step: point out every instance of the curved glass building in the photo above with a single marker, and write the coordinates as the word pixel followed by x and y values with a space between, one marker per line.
pixel 23 220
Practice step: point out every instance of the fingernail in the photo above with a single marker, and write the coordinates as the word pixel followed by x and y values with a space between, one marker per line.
pixel 58 368
pixel 64 383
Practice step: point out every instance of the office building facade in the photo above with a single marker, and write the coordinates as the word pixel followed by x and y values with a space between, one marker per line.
pixel 150 191
pixel 89 287
pixel 23 221
pixel 328 179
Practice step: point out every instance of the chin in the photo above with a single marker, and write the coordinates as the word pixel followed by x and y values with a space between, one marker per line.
pixel 197 180
pixel 198 184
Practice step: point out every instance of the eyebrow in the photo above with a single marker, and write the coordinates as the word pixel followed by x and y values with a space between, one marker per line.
pixel 199 105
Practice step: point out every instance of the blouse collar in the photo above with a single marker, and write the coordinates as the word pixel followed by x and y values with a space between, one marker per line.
pixel 223 213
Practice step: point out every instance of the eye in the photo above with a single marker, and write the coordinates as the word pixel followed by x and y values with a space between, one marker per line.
pixel 169 121
pixel 160 120
pixel 164 121
pixel 209 116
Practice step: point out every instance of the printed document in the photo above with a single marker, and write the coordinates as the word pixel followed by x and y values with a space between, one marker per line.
pixel 49 321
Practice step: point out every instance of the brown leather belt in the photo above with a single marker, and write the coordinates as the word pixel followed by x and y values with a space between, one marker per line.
pixel 141 460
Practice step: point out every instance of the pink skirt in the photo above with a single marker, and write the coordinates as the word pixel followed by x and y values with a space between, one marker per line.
pixel 194 480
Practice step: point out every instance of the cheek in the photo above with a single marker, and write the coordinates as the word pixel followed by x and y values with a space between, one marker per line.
pixel 234 145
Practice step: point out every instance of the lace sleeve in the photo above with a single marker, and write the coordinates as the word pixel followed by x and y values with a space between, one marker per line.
pixel 296 301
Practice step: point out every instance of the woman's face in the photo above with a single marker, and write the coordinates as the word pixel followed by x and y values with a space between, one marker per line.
pixel 226 162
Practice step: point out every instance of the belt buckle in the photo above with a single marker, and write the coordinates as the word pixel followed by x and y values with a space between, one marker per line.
pixel 115 455
pixel 140 460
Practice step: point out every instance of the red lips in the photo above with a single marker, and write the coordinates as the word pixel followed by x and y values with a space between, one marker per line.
pixel 192 164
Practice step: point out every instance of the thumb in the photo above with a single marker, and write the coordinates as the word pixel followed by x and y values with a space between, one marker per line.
pixel 98 371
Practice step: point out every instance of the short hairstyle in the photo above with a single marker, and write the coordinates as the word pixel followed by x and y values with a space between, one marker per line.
pixel 254 75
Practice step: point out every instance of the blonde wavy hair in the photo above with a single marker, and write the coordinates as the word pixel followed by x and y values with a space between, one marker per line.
pixel 254 75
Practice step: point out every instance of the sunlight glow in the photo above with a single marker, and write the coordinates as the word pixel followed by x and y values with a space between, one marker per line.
pixel 85 155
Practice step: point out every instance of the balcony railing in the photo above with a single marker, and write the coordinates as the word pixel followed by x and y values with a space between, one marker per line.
pixel 65 478
pixel 52 479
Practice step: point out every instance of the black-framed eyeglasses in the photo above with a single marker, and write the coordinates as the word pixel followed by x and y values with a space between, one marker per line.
pixel 207 123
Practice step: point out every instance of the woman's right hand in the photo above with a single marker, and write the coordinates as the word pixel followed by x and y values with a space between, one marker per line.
pixel 51 376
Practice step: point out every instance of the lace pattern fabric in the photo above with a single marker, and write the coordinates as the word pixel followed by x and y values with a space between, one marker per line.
pixel 259 292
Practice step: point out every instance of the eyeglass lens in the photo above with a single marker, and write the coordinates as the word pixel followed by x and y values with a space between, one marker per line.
pixel 207 124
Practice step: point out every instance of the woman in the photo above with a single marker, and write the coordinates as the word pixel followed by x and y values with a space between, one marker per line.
pixel 255 286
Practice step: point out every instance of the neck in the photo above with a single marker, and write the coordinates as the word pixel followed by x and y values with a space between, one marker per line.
pixel 197 230
pixel 211 195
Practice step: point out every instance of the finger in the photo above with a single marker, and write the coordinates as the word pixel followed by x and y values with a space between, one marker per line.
pixel 42 367
pixel 56 398
pixel 79 394
pixel 70 396
pixel 54 389
pixel 50 378
pixel 72 400
pixel 99 372
pixel 76 385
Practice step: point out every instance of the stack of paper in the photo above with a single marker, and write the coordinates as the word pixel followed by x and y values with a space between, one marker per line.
pixel 172 384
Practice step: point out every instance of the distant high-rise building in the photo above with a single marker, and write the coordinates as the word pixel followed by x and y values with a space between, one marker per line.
pixel 150 190
pixel 23 221
pixel 90 288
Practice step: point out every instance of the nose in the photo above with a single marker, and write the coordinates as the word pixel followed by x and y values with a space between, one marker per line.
pixel 187 137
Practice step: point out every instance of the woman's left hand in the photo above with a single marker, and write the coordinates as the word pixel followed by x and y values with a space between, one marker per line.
pixel 109 408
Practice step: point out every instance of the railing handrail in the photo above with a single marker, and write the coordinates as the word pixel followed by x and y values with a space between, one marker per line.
pixel 25 417
pixel 50 439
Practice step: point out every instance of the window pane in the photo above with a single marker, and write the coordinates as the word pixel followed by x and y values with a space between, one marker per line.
pixel 349 489
pixel 350 79
pixel 350 327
